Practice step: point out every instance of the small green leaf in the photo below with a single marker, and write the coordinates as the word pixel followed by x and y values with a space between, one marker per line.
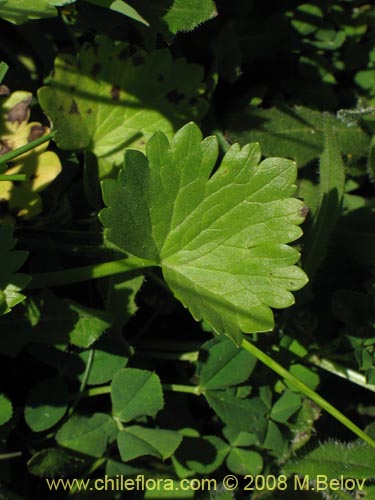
pixel 119 297
pixel 221 240
pixel 11 260
pixel 121 7
pixel 275 441
pixel 202 455
pixel 6 409
pixel 136 441
pixel 244 414
pixel 46 404
pixel 110 355
pixel 305 375
pixel 224 365
pixel 285 406
pixel 244 462
pixel 87 435
pixel 136 393
pixel 90 325
pixel 239 438
pixel 307 19
pixel 3 70
pixel 186 15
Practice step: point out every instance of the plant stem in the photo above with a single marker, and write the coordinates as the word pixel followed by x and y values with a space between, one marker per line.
pixel 189 389
pixel 7 456
pixel 341 371
pixel 191 357
pixel 13 177
pixel 26 148
pixel 325 405
pixel 86 273
pixel 96 391
pixel 106 389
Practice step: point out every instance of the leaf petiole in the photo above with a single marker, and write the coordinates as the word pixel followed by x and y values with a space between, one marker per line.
pixel 86 273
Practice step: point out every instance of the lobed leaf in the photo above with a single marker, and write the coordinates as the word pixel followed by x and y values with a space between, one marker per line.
pixel 221 239
pixel 107 100
pixel 294 132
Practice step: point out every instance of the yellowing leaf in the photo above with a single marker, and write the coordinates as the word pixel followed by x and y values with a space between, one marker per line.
pixel 108 100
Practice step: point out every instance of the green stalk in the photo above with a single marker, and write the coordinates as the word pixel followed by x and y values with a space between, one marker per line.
pixel 26 148
pixel 341 371
pixel 86 273
pixel 13 177
pixel 106 389
pixel 325 405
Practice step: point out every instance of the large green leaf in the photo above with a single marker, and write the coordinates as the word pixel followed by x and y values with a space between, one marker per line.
pixel 136 393
pixel 107 100
pixel 294 132
pixel 221 240
pixel 136 441
pixel 11 260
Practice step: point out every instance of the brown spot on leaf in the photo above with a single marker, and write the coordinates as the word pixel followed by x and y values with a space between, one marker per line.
pixel 4 90
pixel 19 112
pixel 73 110
pixel 304 211
pixel 115 92
pixel 35 132
pixel 89 112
